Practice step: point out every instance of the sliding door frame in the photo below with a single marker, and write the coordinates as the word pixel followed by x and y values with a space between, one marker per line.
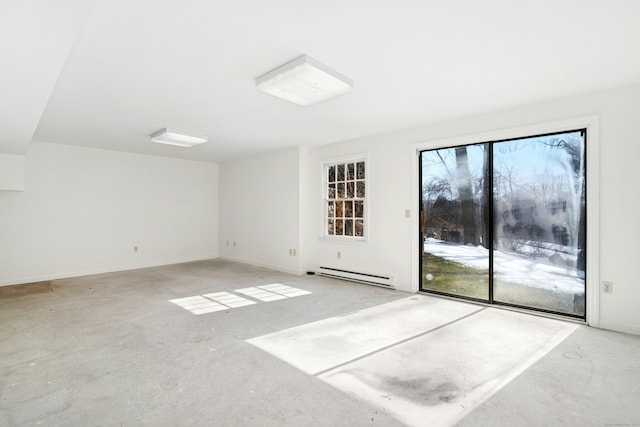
pixel 591 124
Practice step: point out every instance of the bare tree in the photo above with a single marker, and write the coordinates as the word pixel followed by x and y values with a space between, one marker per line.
pixel 465 190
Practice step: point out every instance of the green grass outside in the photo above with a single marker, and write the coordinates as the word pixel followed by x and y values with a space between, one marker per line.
pixel 454 278
pixel 458 279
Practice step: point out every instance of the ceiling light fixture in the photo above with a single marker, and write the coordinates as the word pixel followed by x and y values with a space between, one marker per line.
pixel 304 81
pixel 178 137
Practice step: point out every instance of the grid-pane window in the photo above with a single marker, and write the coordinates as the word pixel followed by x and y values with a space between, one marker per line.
pixel 344 205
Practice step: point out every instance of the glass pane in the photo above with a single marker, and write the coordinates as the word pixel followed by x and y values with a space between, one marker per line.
pixel 360 189
pixel 539 222
pixel 360 170
pixel 351 167
pixel 350 190
pixel 340 176
pixel 339 227
pixel 331 227
pixel 348 209
pixel 331 194
pixel 341 190
pixel 331 210
pixel 359 228
pixel 339 209
pixel 332 173
pixel 348 227
pixel 359 209
pixel 455 259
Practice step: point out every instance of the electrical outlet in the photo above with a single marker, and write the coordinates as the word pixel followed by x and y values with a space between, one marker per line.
pixel 135 249
pixel 607 287
pixel 339 255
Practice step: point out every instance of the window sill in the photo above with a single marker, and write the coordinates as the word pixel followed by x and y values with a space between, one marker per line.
pixel 342 239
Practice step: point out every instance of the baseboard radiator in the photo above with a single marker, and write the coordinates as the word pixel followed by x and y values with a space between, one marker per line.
pixel 354 276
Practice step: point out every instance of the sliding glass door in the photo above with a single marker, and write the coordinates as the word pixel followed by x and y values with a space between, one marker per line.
pixel 504 222
pixel 454 221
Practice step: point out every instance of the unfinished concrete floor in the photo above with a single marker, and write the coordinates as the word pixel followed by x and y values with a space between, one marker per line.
pixel 113 349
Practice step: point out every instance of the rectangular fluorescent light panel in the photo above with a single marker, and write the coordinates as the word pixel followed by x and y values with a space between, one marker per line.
pixel 304 81
pixel 178 138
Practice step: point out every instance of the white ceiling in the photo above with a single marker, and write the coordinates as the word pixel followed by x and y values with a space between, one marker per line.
pixel 109 73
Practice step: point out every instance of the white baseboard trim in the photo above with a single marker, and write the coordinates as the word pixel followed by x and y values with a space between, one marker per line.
pixel 89 272
pixel 626 328
pixel 259 264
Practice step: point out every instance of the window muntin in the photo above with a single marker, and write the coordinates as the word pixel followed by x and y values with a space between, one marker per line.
pixel 344 200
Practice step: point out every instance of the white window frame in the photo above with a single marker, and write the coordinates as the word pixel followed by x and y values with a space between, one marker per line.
pixel 326 164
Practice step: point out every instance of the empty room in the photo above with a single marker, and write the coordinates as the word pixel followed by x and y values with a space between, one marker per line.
pixel 294 213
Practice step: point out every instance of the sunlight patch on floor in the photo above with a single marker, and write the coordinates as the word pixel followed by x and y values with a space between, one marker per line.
pixel 427 361
pixel 218 301
pixel 260 294
pixel 272 292
pixel 318 346
pixel 285 290
pixel 198 304
pixel 229 299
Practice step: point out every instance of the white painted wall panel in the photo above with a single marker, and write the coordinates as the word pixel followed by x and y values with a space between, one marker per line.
pixel 259 210
pixel 85 209
pixel 11 172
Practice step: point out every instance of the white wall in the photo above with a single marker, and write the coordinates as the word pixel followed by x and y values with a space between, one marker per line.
pixel 11 172
pixel 259 210
pixel 83 210
pixel 389 248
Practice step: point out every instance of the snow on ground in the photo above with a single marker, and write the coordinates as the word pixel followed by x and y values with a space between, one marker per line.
pixel 510 267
